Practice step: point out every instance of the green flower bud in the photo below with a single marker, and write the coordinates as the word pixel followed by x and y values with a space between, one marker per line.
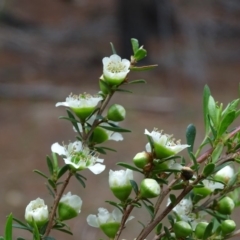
pixel 203 191
pixel 228 226
pixel 142 159
pixel 116 113
pixel 149 188
pixel 104 87
pixel 110 229
pixel 200 229
pixel 182 229
pixel 225 206
pixel 69 206
pixel 100 135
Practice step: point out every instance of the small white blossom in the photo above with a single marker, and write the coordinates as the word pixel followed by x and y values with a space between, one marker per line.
pixel 80 101
pixel 212 185
pixel 38 211
pixel 120 178
pixel 78 156
pixel 184 211
pixel 115 69
pixel 164 144
pixel 104 217
pixel 225 174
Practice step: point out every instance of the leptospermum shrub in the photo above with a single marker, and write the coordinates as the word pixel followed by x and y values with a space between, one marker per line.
pixel 207 181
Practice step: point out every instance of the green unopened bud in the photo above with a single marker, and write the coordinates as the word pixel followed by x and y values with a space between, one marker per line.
pixel 36 211
pixel 104 86
pixel 116 113
pixel 225 206
pixel 182 229
pixel 224 175
pixel 203 191
pixel 69 206
pixel 228 226
pixel 149 188
pixel 99 135
pixel 200 229
pixel 142 159
pixel 110 229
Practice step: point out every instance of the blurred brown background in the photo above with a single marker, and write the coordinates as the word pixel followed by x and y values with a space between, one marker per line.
pixel 49 49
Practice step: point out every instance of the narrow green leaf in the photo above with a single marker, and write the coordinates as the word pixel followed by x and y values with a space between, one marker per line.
pixel 137 81
pixel 208 169
pixel 116 129
pixel 141 224
pixel 208 231
pixel 40 173
pixel 217 152
pixel 8 227
pixel 126 165
pixel 232 180
pixel 107 148
pixel 50 165
pixel 226 122
pixel 73 120
pixel 137 205
pixel 172 199
pixel 2 238
pixel 36 235
pixel 22 227
pixel 149 208
pixel 113 48
pixel 50 191
pixel 52 183
pixel 206 94
pixel 143 68
pixel 135 45
pixel 167 233
pixel 134 186
pixel 158 229
pixel 122 90
pixel 140 54
pixel 178 186
pixel 171 219
pixel 212 110
pixel 100 150
pixel 20 222
pixel 62 171
pixel 79 178
pixel 65 231
pixel 190 135
pixel 161 181
pixel 195 166
pixel 115 205
pixel 212 127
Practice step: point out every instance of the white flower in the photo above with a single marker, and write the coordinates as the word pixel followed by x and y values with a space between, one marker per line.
pixel 225 174
pixel 120 178
pixel 184 211
pixel 164 145
pixel 115 69
pixel 82 105
pixel 104 217
pixel 80 101
pixel 38 211
pixel 69 206
pixel 211 185
pixel 115 136
pixel 78 156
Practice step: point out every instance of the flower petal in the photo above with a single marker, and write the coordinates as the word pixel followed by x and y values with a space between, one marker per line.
pixel 92 220
pixel 57 148
pixel 97 168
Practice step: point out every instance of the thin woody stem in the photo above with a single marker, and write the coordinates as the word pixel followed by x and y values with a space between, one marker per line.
pixel 55 204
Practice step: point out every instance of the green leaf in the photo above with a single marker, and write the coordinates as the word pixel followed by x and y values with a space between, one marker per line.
pixel 137 205
pixel 178 186
pixel 140 54
pixel 40 173
pixel 134 186
pixel 233 180
pixel 149 208
pixel 122 90
pixel 212 110
pixel 50 165
pixel 126 165
pixel 50 191
pixel 62 171
pixel 208 169
pixel 217 152
pixel 141 224
pixel 115 205
pixel 143 68
pixel 48 238
pixel 36 235
pixel 73 120
pixel 137 81
pixel 79 178
pixel 20 222
pixel 206 95
pixel 190 135
pixel 158 228
pixel 167 233
pixel 195 166
pixel 22 227
pixel 208 231
pixel 171 219
pixel 116 129
pixel 52 183
pixel 226 122
pixel 8 228
pixel 172 199
pixel 113 48
pixel 64 230
pixel 2 238
pixel 135 45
